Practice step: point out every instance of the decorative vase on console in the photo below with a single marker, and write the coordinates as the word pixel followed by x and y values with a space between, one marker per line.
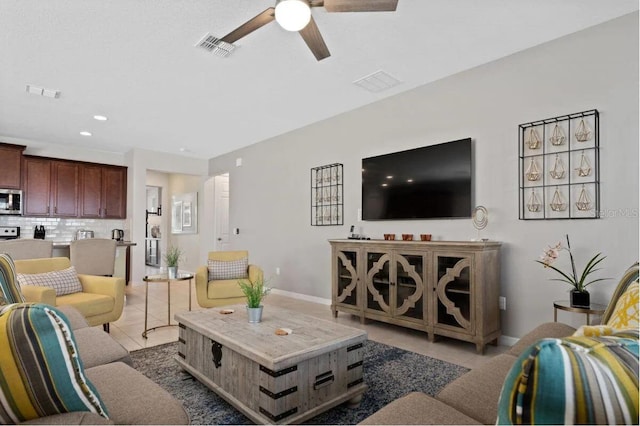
pixel 254 292
pixel 579 296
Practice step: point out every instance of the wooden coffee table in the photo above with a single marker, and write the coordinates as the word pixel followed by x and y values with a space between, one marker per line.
pixel 271 378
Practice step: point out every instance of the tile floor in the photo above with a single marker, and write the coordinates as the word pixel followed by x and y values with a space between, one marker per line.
pixel 128 329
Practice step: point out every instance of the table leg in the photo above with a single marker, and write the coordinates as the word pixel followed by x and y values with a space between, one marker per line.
pixel 190 283
pixel 169 302
pixel 555 314
pixel 146 307
pixel 588 322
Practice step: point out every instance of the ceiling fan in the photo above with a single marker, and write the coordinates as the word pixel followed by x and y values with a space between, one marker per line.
pixel 295 15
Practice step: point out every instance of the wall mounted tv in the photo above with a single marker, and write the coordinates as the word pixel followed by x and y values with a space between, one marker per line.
pixel 431 182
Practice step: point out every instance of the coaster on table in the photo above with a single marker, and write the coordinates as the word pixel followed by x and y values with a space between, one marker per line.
pixel 283 331
pixel 226 311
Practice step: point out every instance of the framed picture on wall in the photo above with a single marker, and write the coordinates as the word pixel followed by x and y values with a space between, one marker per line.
pixel 184 213
pixel 176 217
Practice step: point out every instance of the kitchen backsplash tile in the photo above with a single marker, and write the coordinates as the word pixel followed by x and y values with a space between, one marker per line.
pixel 64 230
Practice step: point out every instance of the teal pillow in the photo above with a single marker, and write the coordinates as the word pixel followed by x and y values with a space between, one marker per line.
pixel 9 287
pixel 41 373
pixel 575 380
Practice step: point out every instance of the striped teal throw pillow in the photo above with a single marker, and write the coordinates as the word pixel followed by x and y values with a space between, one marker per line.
pixel 9 287
pixel 41 373
pixel 575 380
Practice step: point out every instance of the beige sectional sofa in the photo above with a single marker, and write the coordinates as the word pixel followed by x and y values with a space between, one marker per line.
pixel 470 399
pixel 129 396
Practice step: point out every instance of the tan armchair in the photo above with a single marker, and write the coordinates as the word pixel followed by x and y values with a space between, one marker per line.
pixel 100 302
pixel 223 292
pixel 27 248
pixel 93 256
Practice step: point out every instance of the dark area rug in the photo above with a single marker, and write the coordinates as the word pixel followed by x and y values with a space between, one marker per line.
pixel 389 372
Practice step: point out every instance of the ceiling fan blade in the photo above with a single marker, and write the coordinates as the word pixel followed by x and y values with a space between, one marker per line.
pixel 311 35
pixel 360 5
pixel 251 25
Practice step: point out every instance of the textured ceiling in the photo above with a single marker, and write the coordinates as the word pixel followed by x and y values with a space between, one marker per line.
pixel 134 62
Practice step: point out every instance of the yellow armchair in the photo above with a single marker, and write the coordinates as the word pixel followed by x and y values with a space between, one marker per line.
pixel 100 302
pixel 223 292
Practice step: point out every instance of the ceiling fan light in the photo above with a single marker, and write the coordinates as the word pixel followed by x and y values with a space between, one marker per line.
pixel 293 15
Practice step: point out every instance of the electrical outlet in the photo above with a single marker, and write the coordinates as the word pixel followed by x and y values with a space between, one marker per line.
pixel 502 301
pixel 277 271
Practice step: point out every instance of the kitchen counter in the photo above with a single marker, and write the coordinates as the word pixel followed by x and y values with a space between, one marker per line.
pixel 64 244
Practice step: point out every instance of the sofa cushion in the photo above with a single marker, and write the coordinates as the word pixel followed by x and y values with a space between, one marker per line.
pixel 96 347
pixel 9 285
pixel 475 393
pixel 75 418
pixel 133 398
pixel 626 314
pixel 41 373
pixel 546 330
pixel 417 408
pixel 63 282
pixel 224 289
pixel 89 304
pixel 228 270
pixel 575 380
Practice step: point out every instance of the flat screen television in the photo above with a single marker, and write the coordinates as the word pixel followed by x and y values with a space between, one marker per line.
pixel 431 182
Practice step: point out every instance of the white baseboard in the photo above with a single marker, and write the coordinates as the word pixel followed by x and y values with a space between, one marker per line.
pixel 301 296
pixel 507 340
pixel 502 340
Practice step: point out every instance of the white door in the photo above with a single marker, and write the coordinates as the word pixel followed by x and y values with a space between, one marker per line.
pixel 221 208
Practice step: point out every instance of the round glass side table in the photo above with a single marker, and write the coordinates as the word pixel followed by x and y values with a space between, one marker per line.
pixel 564 305
pixel 163 278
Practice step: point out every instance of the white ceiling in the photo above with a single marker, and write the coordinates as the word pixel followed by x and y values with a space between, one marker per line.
pixel 134 62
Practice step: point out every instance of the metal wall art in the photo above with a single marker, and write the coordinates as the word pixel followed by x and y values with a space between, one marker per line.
pixel 559 175
pixel 327 205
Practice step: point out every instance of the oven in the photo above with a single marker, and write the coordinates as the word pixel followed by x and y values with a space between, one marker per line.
pixel 11 201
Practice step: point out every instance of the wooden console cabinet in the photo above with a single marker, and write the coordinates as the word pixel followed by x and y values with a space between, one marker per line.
pixel 445 288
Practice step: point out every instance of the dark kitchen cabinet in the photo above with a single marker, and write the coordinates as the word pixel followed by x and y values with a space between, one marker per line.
pixel 50 187
pixel 64 188
pixel 36 175
pixel 11 160
pixel 103 192
pixel 59 188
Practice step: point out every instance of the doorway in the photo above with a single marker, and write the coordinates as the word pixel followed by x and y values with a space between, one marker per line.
pixel 153 224
pixel 221 212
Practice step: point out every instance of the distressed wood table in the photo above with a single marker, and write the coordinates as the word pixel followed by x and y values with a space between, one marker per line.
pixel 273 379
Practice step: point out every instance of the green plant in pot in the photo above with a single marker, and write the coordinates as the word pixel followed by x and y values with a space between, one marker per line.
pixel 172 258
pixel 579 296
pixel 254 291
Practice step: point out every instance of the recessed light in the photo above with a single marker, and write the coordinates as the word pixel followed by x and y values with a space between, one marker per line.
pixel 100 117
pixel 389 177
pixel 409 180
pixel 384 184
pixel 85 133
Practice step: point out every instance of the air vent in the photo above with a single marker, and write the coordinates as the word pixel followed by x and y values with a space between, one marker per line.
pixel 48 93
pixel 215 45
pixel 377 82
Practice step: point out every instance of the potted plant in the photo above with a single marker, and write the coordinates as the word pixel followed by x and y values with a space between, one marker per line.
pixel 254 292
pixel 172 258
pixel 579 296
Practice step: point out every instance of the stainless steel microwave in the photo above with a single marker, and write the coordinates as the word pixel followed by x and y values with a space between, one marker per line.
pixel 11 201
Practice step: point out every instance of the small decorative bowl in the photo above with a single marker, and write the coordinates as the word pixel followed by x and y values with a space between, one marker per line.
pixel 407 237
pixel 389 236
pixel 425 237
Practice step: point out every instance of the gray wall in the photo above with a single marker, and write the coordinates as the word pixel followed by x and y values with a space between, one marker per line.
pixel 595 68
